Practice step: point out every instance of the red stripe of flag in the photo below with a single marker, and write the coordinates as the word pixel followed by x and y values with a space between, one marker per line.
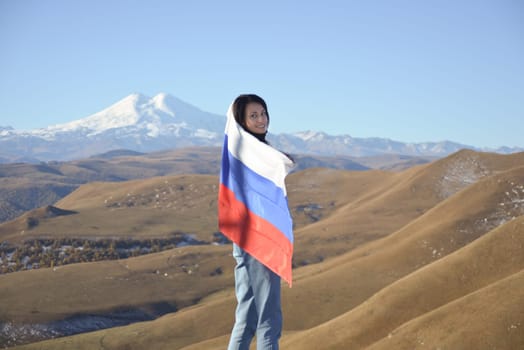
pixel 264 242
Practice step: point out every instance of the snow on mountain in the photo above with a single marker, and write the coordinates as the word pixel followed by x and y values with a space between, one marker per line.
pixel 322 143
pixel 137 122
pixel 153 117
pixel 144 124
pixel 6 130
pixel 121 114
pixel 310 135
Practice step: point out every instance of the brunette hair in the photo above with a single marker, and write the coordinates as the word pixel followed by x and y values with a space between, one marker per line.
pixel 239 107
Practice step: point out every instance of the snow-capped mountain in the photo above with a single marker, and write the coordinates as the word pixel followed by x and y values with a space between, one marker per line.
pixel 5 129
pixel 323 144
pixel 139 115
pixel 136 122
pixel 145 124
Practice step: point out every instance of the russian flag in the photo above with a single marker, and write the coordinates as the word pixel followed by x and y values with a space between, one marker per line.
pixel 252 200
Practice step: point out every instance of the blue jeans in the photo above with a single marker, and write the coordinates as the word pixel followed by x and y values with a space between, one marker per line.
pixel 259 310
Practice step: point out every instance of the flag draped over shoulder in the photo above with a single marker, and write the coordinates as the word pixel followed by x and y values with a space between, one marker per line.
pixel 252 200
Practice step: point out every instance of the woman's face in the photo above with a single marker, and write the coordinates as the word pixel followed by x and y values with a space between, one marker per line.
pixel 256 119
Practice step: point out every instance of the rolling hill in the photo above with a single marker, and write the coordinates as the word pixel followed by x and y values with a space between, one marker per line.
pixel 26 186
pixel 430 256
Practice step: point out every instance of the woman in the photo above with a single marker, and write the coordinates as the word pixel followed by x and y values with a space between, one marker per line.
pixel 257 286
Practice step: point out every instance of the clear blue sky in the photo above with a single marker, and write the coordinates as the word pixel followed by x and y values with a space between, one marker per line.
pixel 411 71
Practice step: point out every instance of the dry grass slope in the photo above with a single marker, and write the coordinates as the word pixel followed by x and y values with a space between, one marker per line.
pixel 26 186
pixel 486 261
pixel 151 208
pixel 177 277
pixel 423 255
pixel 490 318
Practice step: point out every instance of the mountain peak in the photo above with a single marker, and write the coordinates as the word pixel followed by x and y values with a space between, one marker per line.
pixel 123 113
pixel 137 95
pixel 310 135
pixel 137 119
pixel 136 98
pixel 161 96
pixel 164 102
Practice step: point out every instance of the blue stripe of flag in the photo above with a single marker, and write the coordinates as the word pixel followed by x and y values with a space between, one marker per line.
pixel 260 195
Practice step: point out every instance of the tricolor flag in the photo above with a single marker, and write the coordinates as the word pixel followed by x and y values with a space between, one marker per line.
pixel 252 199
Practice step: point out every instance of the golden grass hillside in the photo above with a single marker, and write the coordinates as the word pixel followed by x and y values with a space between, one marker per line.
pixel 379 203
pixel 495 309
pixel 153 207
pixel 158 206
pixel 484 262
pixel 25 187
pixel 428 239
pixel 176 278
pixel 147 208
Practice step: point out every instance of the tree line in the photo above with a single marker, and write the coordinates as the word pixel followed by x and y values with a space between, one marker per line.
pixel 41 253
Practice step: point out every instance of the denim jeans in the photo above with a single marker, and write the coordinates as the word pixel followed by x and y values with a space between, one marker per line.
pixel 258 310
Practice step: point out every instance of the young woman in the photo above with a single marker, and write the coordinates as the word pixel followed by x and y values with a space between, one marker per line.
pixel 257 287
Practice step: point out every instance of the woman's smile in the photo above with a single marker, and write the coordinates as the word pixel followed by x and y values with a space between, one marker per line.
pixel 256 118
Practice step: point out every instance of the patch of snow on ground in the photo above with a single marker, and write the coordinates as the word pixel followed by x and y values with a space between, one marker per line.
pixel 510 207
pixel 460 173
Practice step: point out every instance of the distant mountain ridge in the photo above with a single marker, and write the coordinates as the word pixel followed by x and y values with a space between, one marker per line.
pixel 144 124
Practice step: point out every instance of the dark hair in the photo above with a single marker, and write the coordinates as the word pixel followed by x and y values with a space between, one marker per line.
pixel 239 111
